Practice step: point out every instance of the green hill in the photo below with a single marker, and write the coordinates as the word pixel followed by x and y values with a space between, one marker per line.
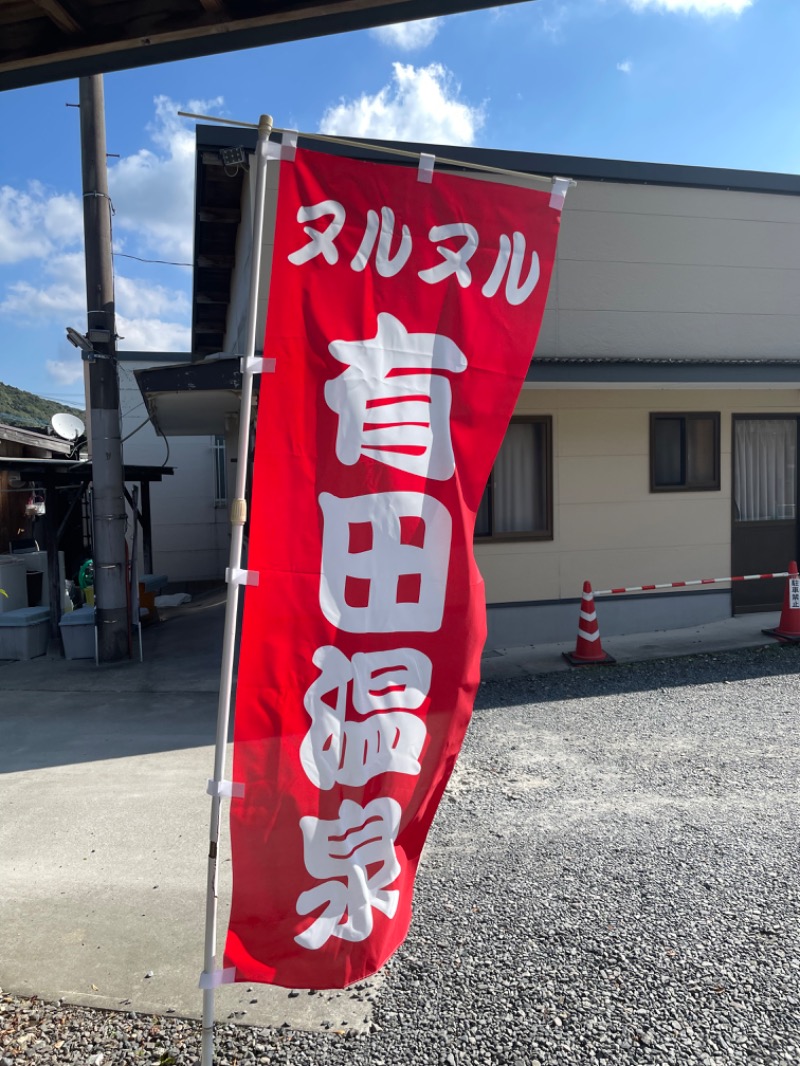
pixel 20 408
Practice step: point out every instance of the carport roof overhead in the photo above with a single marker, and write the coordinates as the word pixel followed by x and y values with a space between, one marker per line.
pixel 48 40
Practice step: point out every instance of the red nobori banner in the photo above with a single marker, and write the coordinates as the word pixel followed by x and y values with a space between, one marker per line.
pixel 402 317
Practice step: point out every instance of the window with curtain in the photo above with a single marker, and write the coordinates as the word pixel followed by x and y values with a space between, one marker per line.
pixel 684 452
pixel 517 503
pixel 765 475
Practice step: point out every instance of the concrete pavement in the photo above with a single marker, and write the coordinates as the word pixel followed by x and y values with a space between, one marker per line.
pixel 104 834
pixel 104 830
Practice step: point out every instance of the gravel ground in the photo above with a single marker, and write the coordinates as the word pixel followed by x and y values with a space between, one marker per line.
pixel 612 877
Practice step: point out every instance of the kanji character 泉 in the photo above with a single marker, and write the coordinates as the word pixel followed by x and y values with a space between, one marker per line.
pixel 393 402
pixel 355 859
pixel 384 562
pixel 387 685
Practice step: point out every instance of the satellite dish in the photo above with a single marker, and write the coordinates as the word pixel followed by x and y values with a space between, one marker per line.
pixel 68 427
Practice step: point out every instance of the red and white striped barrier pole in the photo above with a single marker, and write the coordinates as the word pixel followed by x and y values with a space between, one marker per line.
pixel 688 584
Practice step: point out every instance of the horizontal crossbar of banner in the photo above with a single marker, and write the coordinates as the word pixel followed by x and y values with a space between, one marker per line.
pixel 687 584
pixel 517 174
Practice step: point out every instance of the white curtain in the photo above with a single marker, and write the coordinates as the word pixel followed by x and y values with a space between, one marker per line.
pixel 765 469
pixel 519 489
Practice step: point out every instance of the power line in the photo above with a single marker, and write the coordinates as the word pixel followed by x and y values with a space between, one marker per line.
pixel 163 262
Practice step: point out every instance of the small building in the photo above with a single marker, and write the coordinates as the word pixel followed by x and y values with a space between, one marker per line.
pixel 46 523
pixel 655 439
pixel 189 512
pixel 20 501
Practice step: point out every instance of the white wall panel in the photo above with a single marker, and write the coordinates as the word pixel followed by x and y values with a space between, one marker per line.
pixel 671 287
pixel 658 238
pixel 187 545
pixel 680 201
pixel 669 334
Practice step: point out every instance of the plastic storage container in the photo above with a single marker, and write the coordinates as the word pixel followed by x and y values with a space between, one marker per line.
pixel 24 633
pixel 77 634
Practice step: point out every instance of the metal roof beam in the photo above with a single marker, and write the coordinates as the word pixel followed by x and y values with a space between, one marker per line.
pixel 148 34
pixel 58 14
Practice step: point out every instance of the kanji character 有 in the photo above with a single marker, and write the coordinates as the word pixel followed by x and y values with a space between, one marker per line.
pixel 387 685
pixel 384 562
pixel 354 857
pixel 393 402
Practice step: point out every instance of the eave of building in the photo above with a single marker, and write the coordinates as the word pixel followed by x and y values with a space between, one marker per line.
pixel 62 471
pixel 192 399
pixel 608 372
pixel 30 438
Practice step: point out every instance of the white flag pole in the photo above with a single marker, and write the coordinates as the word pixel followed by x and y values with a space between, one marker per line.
pixel 211 976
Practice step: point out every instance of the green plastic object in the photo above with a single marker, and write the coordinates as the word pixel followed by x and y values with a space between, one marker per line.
pixel 86 574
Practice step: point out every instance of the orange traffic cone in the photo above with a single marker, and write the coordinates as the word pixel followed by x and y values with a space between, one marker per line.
pixel 788 629
pixel 588 649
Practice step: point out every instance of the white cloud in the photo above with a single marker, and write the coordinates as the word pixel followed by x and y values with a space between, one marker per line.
pixel 35 222
pixel 553 19
pixel 153 190
pixel 41 233
pixel 625 66
pixel 420 104
pixel 408 36
pixel 152 335
pixel 149 317
pixel 141 299
pixel 62 298
pixel 709 8
pixel 30 303
pixel 65 373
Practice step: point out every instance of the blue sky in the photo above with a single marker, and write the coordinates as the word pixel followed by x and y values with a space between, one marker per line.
pixel 699 82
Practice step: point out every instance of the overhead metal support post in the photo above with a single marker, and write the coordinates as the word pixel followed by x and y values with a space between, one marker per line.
pixel 108 516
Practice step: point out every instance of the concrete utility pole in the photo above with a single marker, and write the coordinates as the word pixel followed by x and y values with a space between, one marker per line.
pixel 108 508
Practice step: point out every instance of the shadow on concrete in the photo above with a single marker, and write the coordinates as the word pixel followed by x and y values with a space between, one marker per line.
pixel 55 711
pixel 42 735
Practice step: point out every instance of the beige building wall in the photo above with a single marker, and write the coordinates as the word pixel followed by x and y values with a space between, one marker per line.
pixel 608 527
pixel 649 270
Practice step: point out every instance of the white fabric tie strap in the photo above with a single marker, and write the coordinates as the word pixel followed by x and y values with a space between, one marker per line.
pixel 425 169
pixel 232 789
pixel 217 978
pixel 241 577
pixel 284 150
pixel 558 193
pixel 255 364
